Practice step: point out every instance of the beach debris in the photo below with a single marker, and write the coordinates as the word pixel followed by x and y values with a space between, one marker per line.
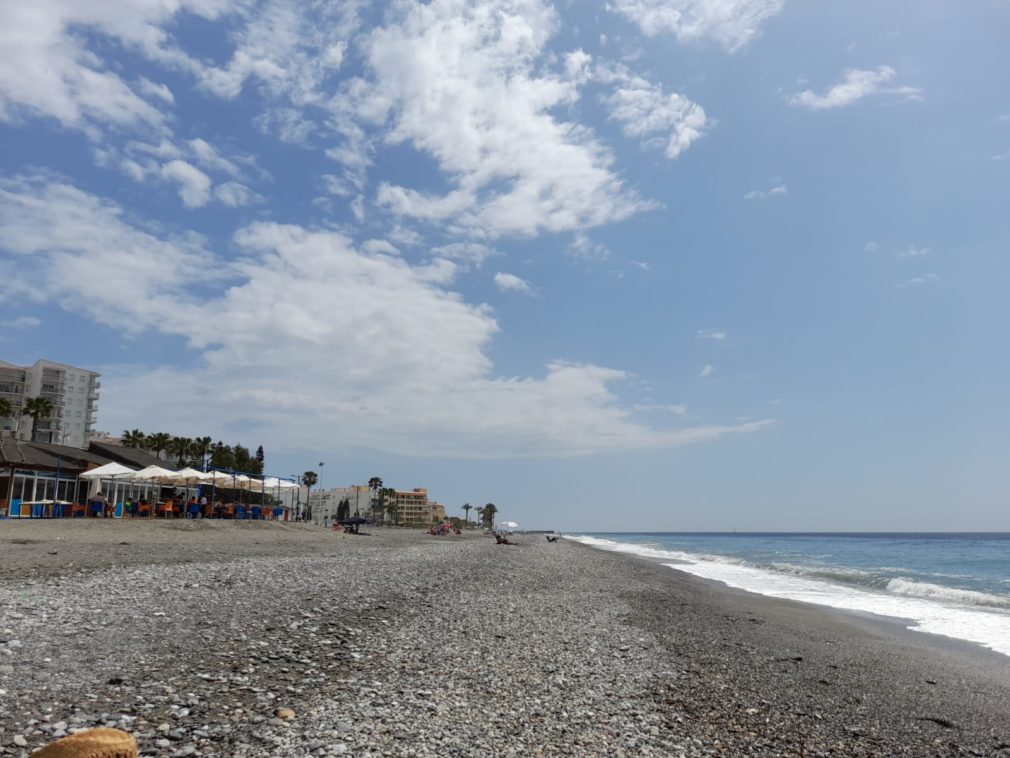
pixel 284 713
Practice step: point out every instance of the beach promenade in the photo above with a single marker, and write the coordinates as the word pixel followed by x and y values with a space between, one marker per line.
pixel 261 639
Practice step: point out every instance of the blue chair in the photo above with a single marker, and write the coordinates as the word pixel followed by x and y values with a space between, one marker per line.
pixel 257 513
pixel 240 512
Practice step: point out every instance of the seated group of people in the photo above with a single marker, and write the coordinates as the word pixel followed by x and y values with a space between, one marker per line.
pixel 441 530
pixel 100 506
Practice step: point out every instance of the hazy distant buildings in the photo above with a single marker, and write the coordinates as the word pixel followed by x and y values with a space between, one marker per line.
pixel 72 391
pixel 324 503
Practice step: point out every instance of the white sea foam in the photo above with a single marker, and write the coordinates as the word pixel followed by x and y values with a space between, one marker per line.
pixel 961 614
pixel 909 588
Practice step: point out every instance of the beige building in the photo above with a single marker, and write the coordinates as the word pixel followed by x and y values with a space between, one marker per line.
pixel 437 512
pixel 72 391
pixel 412 507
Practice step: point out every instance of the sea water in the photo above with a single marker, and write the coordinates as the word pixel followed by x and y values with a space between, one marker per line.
pixel 956 585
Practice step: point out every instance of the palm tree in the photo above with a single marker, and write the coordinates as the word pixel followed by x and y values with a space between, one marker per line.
pixel 6 409
pixel 179 447
pixel 308 479
pixel 391 510
pixel 374 485
pixel 488 511
pixel 134 438
pixel 158 442
pixel 466 512
pixel 387 502
pixel 39 408
pixel 201 446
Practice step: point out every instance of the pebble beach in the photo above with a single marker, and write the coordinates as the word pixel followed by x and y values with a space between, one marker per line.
pixel 261 639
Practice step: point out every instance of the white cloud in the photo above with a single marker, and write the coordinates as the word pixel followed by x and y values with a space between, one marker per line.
pixel 642 265
pixel 466 252
pixel 707 371
pixel 154 89
pixel 584 247
pixel 731 23
pixel 914 252
pixel 408 374
pixel 211 160
pixel 194 185
pixel 711 334
pixel 857 84
pixel 22 322
pixel 511 283
pixel 871 246
pixel 779 189
pixel 670 121
pixel 47 70
pixel 384 247
pixel 68 246
pixel 469 86
pixel 918 281
pixel 236 195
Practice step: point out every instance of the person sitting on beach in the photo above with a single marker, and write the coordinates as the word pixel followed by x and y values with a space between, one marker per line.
pixel 98 505
pixel 551 539
pixel 502 539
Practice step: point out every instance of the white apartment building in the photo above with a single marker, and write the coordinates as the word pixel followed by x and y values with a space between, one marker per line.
pixel 324 503
pixel 72 391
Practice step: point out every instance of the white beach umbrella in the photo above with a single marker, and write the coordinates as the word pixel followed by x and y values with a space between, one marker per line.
pixel 152 474
pixel 114 471
pixel 109 471
pixel 188 476
pixel 510 525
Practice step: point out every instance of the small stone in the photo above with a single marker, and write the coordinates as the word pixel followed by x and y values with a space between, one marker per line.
pixel 284 713
pixel 20 741
pixel 115 680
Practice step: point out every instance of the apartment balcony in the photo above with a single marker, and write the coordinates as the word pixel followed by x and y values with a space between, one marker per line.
pixel 95 385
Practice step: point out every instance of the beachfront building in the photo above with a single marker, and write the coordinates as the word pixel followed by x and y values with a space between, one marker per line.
pixel 324 503
pixel 437 512
pixel 412 507
pixel 72 391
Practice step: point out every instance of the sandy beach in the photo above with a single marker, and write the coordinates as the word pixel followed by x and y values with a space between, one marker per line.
pixel 195 636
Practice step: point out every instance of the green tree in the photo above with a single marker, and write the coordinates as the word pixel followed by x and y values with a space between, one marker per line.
pixel 134 438
pixel 260 459
pixel 39 408
pixel 157 443
pixel 392 510
pixel 488 512
pixel 201 447
pixel 374 486
pixel 466 512
pixel 179 447
pixel 309 478
pixel 343 509
pixel 6 409
pixel 221 456
pixel 243 460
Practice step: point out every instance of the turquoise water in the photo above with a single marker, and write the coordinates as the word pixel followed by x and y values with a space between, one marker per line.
pixel 957 585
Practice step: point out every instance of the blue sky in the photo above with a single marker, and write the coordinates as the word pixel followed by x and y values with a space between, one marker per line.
pixel 649 264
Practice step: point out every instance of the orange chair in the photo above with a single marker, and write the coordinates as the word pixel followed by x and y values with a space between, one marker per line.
pixel 81 508
pixel 167 508
pixel 144 509
pixel 229 511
